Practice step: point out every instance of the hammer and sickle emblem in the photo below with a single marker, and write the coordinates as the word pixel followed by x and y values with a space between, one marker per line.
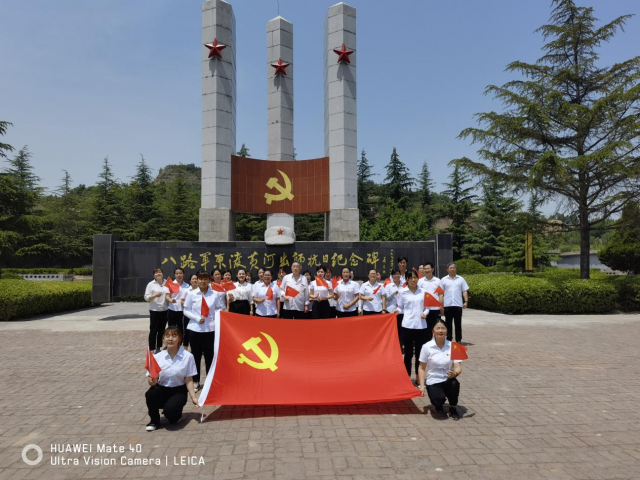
pixel 266 362
pixel 285 192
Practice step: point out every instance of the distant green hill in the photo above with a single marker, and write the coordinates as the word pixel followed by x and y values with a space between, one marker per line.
pixel 190 172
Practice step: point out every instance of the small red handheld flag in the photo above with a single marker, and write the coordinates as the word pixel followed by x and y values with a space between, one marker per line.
pixel 458 352
pixel 404 284
pixel 387 282
pixel 217 287
pixel 291 292
pixel 229 286
pixel 430 301
pixel 269 293
pixel 418 273
pixel 204 309
pixel 151 365
pixel 439 290
pixel 334 282
pixel 172 286
pixel 376 290
pixel 321 282
pixel 279 282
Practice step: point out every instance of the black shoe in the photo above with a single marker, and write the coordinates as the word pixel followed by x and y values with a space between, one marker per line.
pixel 151 427
pixel 453 413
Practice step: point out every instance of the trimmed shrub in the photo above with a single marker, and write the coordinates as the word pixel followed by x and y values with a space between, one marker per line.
pixel 531 294
pixel 10 276
pixel 49 271
pixel 470 267
pixel 87 272
pixel 18 301
pixel 628 292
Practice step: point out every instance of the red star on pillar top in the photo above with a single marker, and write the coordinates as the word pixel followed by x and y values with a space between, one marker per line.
pixel 281 231
pixel 343 54
pixel 280 67
pixel 215 48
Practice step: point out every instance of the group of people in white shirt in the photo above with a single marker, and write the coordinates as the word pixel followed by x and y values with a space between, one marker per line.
pixel 293 296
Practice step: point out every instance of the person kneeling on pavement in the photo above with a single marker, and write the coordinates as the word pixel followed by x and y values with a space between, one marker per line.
pixel 440 371
pixel 169 391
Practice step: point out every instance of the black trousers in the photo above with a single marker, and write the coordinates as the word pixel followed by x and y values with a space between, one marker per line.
pixel 266 316
pixel 240 306
pixel 157 324
pixel 332 312
pixel 441 392
pixel 293 314
pixel 399 317
pixel 202 343
pixel 347 314
pixel 171 399
pixel 365 312
pixel 321 310
pixel 453 315
pixel 432 317
pixel 413 339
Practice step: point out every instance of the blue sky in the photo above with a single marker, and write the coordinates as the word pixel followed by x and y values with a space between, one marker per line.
pixel 83 80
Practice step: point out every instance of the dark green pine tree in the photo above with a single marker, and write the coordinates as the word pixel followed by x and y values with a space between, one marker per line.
pixel 107 212
pixel 399 181
pixel 244 151
pixel 365 189
pixel 622 252
pixel 568 125
pixel 144 218
pixel 459 207
pixel 4 147
pixel 495 215
pixel 425 185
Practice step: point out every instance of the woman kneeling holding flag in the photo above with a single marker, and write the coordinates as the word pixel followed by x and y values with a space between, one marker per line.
pixel 440 363
pixel 170 375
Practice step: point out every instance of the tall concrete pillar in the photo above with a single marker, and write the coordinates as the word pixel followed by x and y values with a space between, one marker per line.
pixel 280 115
pixel 217 221
pixel 340 124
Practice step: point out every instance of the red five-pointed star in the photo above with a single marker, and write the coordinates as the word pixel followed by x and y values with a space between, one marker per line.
pixel 280 67
pixel 281 231
pixel 215 48
pixel 343 54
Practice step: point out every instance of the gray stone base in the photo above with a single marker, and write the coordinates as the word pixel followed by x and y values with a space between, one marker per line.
pixel 342 225
pixel 279 236
pixel 217 225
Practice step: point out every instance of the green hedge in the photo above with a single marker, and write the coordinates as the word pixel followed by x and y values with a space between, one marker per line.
pixel 535 294
pixel 47 271
pixel 470 267
pixel 36 298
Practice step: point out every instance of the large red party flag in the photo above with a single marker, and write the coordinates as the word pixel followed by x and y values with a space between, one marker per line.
pixel 376 290
pixel 430 301
pixel 417 273
pixel 229 286
pixel 151 365
pixel 217 287
pixel 172 286
pixel 458 352
pixel 204 309
pixel 321 282
pixel 291 292
pixel 439 290
pixel 269 294
pixel 268 362
pixel 335 281
pixel 387 282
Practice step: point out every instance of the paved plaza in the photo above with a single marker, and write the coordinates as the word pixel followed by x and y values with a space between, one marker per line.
pixel 542 397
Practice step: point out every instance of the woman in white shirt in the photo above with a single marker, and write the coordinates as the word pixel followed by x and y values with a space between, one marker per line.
pixel 155 294
pixel 174 301
pixel 328 274
pixel 391 292
pixel 440 371
pixel 320 295
pixel 347 294
pixel 266 297
pixel 201 325
pixel 240 297
pixel 414 326
pixel 169 391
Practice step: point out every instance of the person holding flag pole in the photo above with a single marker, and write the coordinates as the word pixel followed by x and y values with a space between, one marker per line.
pixel 392 287
pixel 372 295
pixel 440 368
pixel 178 291
pixel 266 297
pixel 320 291
pixel 294 294
pixel 200 307
pixel 414 324
pixel 334 283
pixel 155 294
pixel 430 284
pixel 170 377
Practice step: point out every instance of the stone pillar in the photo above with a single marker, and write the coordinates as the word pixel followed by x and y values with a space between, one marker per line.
pixel 217 221
pixel 340 124
pixel 279 117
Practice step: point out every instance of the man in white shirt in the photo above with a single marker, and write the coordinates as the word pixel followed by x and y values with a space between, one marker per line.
pixel 429 284
pixel 295 306
pixel 453 300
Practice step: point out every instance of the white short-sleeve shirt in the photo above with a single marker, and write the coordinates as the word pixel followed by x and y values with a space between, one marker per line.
pixel 158 304
pixel 391 292
pixel 193 309
pixel 185 288
pixel 453 288
pixel 430 286
pixel 412 306
pixel 175 369
pixel 438 361
pixel 268 307
pixel 376 291
pixel 346 294
pixel 300 300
